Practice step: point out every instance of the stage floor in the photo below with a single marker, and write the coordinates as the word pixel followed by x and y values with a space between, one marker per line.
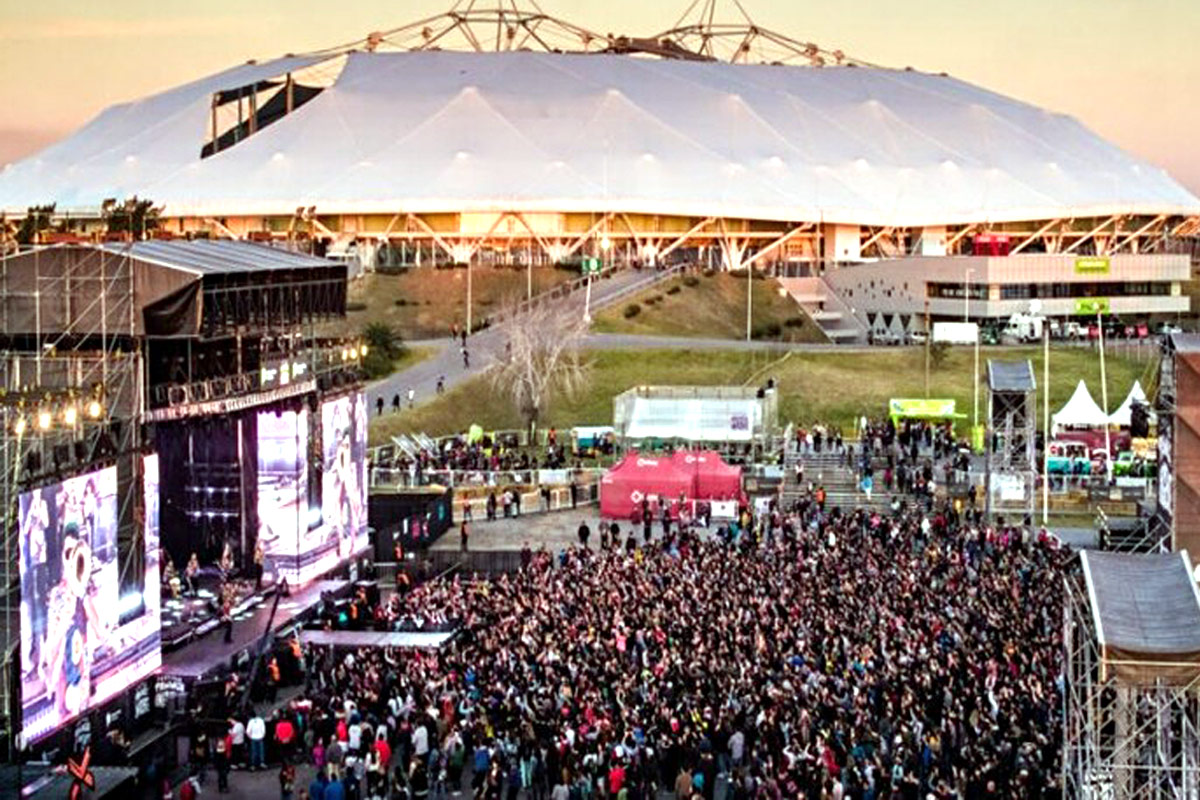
pixel 203 654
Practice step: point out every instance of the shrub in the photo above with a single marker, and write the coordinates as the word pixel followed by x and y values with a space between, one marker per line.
pixel 385 347
pixel 772 330
pixel 356 306
pixel 691 281
pixel 708 273
pixel 632 310
pixel 650 301
pixel 401 301
pixel 794 322
pixel 674 289
pixel 658 298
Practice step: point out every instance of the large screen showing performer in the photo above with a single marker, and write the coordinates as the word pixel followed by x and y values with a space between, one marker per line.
pixel 81 642
pixel 283 515
pixel 344 482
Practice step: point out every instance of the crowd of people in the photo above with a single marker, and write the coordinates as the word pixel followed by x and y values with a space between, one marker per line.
pixel 852 655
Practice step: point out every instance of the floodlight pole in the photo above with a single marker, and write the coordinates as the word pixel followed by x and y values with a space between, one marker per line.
pixel 975 411
pixel 1045 425
pixel 1104 401
pixel 468 297
pixel 587 300
pixel 967 297
pixel 749 297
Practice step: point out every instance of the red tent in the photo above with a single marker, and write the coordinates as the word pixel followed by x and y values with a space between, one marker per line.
pixel 714 479
pixel 635 477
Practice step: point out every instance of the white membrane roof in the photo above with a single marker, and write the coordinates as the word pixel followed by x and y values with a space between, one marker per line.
pixel 523 131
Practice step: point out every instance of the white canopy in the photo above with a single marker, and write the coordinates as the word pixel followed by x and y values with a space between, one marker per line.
pixel 1081 411
pixel 440 131
pixel 1124 412
pixel 706 419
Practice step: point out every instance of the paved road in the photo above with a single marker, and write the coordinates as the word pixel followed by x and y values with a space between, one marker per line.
pixel 484 347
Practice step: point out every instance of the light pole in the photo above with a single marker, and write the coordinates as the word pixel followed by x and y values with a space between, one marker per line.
pixel 605 244
pixel 749 298
pixel 967 297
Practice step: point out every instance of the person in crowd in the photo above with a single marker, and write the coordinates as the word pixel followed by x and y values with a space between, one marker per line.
pixel 821 653
pixel 256 732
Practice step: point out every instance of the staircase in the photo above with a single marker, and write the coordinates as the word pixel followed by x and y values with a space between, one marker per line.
pixel 827 309
pixel 829 469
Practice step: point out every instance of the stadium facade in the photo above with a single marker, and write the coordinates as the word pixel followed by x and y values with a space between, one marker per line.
pixel 553 142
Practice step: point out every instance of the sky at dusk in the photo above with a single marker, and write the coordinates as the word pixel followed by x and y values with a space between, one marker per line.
pixel 1128 69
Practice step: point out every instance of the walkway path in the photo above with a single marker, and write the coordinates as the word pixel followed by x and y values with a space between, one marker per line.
pixel 484 347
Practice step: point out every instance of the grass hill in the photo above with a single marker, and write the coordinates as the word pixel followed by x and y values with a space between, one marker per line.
pixel 711 305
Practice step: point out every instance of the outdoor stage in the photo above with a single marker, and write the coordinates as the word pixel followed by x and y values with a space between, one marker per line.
pixel 210 651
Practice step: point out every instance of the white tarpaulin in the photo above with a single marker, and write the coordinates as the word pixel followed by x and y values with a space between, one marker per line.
pixel 694 419
pixel 436 131
pixel 1081 411
pixel 1124 412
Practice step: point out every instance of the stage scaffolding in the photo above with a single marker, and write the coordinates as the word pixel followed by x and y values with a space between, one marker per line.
pixel 1128 734
pixel 71 399
pixel 1012 432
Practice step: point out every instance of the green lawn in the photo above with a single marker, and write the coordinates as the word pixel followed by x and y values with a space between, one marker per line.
pixel 830 386
pixel 714 307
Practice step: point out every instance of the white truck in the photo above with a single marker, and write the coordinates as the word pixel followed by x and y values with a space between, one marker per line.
pixel 1024 327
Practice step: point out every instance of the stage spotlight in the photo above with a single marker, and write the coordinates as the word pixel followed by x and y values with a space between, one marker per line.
pixel 44 419
pixel 19 426
pixel 70 415
pixel 363 350
pixel 94 409
pixel 345 354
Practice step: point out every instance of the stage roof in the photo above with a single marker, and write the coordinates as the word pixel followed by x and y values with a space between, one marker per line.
pixel 1144 604
pixel 1011 376
pixel 439 131
pixel 1186 342
pixel 177 288
pixel 218 256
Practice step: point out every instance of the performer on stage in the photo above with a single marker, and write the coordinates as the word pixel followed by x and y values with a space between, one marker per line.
pixel 74 629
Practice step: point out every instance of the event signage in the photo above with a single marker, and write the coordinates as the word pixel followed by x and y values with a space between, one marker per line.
pixel 591 266
pixel 921 408
pixel 1092 265
pixel 1087 306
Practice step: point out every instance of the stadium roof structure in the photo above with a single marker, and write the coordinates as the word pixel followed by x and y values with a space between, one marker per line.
pixel 552 118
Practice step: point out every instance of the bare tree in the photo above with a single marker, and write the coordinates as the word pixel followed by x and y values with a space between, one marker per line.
pixel 542 357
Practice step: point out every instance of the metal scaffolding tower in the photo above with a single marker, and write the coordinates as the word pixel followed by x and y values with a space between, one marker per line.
pixel 1131 729
pixel 71 399
pixel 1012 437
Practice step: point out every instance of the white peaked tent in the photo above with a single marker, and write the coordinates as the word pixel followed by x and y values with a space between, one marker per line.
pixel 1121 417
pixel 1081 411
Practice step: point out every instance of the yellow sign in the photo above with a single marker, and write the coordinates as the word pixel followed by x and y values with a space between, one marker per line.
pixel 1092 265
pixel 921 408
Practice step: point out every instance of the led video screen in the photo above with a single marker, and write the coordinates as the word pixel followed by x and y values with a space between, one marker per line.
pixel 283 513
pixel 344 479
pixel 81 642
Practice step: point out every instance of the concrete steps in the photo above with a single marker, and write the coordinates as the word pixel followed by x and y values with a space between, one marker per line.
pixel 831 314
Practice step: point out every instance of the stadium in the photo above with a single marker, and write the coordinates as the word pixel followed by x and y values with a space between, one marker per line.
pixel 508 136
